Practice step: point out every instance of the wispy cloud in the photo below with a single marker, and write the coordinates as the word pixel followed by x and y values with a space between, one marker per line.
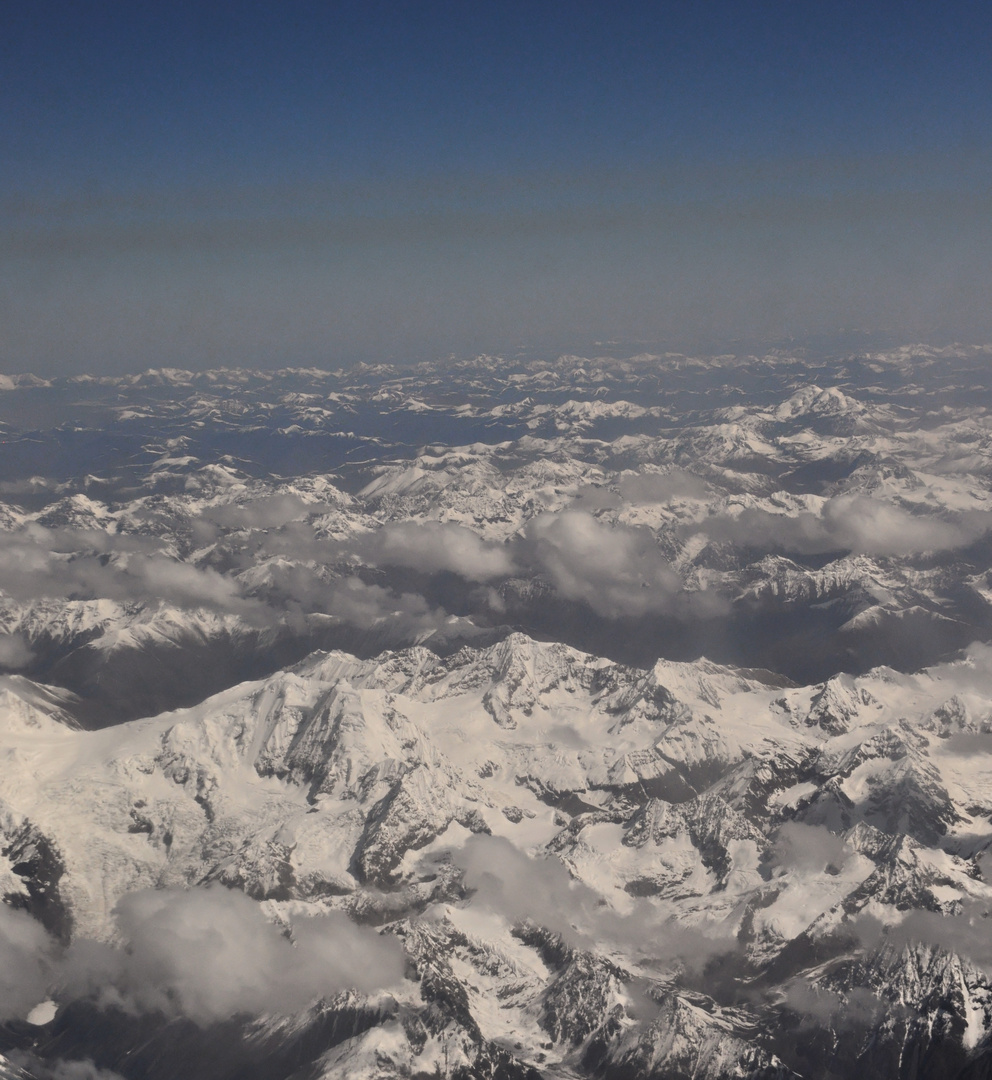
pixel 616 571
pixel 26 962
pixel 210 953
pixel 89 564
pixel 433 546
pixel 15 652
pixel 542 891
pixel 852 523
pixel 965 933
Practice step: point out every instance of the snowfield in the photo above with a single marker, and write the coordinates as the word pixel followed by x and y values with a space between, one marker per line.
pixel 595 718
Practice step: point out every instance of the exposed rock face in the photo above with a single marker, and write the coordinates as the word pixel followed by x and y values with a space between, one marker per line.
pixel 778 863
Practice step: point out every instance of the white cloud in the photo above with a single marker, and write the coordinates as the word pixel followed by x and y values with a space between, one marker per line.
pixel 25 963
pixel 433 546
pixel 809 847
pixel 966 933
pixel 520 888
pixel 881 528
pixel 644 489
pixel 14 652
pixel 849 523
pixel 210 953
pixel 266 512
pixel 91 564
pixel 822 1005
pixel 541 890
pixel 616 571
pixel 362 605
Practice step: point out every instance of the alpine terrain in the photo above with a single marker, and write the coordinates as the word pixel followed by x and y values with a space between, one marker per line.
pixel 626 719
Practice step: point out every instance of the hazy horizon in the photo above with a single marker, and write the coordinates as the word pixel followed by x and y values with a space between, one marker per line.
pixel 323 184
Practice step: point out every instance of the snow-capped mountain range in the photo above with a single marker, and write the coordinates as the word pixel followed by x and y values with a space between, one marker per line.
pixel 598 718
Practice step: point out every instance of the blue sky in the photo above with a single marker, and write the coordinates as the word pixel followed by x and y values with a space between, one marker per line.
pixel 268 183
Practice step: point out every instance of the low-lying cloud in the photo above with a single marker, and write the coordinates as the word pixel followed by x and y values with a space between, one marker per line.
pixel 364 605
pixel 89 564
pixel 798 846
pixel 433 546
pixel 822 1005
pixel 616 571
pixel 646 489
pixel 204 953
pixel 966 933
pixel 26 963
pixel 294 590
pixel 851 523
pixel 265 512
pixel 210 953
pixel 270 565
pixel 523 889
pixel 15 652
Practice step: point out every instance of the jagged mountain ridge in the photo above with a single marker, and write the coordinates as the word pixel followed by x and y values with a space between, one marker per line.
pixel 669 794
pixel 305 591
pixel 821 515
